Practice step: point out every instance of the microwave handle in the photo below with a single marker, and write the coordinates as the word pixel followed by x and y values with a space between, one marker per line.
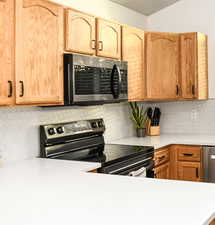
pixel 116 68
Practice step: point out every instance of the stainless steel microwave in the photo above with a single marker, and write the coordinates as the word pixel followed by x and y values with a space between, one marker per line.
pixel 90 80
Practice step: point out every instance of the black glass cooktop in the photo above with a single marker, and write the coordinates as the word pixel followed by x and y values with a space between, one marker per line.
pixel 106 153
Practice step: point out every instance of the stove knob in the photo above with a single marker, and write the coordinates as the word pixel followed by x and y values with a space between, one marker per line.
pixel 51 131
pixel 94 125
pixel 100 123
pixel 60 130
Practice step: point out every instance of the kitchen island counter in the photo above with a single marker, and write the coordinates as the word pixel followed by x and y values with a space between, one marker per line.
pixel 44 191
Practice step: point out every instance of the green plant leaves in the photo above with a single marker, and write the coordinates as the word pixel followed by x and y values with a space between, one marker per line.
pixel 138 115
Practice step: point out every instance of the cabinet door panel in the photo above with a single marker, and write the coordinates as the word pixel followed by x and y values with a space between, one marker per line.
pixel 39 52
pixel 80 32
pixel 133 52
pixel 108 39
pixel 188 65
pixel 189 171
pixel 162 172
pixel 7 52
pixel 162 66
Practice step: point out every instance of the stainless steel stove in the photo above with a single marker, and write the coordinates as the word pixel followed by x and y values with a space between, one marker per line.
pixel 84 141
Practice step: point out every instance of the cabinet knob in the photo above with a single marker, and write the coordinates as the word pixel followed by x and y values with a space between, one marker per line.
pixel 100 45
pixel 93 44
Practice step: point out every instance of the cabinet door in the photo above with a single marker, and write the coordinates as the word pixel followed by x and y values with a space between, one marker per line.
pixel 80 32
pixel 108 39
pixel 188 65
pixel 39 52
pixel 7 40
pixel 162 172
pixel 162 66
pixel 133 47
pixel 189 171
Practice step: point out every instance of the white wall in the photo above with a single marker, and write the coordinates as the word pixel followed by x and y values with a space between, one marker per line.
pixel 109 10
pixel 190 16
pixel 19 136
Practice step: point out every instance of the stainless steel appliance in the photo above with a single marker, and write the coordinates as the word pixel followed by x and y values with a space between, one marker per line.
pixel 92 80
pixel 84 141
pixel 209 164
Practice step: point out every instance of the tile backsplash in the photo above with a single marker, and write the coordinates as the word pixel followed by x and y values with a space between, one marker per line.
pixel 19 127
pixel 187 117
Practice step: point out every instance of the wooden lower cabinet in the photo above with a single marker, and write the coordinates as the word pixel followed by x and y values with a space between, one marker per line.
pixel 162 171
pixel 212 223
pixel 179 162
pixel 93 171
pixel 189 171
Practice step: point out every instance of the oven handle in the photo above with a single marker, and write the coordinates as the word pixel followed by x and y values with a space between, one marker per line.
pixel 116 68
pixel 134 164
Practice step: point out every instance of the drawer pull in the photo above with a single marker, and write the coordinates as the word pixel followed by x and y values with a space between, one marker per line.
pixel 188 154
pixel 197 172
pixel 161 158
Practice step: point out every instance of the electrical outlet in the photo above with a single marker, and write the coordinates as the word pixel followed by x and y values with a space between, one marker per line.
pixel 194 115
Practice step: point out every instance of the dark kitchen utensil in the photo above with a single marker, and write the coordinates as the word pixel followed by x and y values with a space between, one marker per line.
pixel 149 113
pixel 156 117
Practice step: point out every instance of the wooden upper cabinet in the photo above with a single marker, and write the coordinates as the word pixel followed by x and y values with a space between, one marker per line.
pixel 108 39
pixel 162 65
pixel 133 47
pixel 39 52
pixel 189 171
pixel 194 66
pixel 80 32
pixel 7 52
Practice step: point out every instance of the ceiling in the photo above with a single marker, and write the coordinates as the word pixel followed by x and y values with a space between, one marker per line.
pixel 146 7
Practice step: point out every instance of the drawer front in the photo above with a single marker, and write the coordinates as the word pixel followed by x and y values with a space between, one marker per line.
pixel 189 153
pixel 161 157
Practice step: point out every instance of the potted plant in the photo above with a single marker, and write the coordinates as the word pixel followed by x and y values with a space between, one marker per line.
pixel 139 118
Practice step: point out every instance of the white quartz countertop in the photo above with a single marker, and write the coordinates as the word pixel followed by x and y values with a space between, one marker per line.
pixel 57 192
pixel 167 139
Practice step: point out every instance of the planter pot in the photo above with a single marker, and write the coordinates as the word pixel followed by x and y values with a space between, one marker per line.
pixel 141 132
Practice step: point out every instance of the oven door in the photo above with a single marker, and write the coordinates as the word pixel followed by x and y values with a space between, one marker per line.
pixel 97 80
pixel 149 166
pixel 125 168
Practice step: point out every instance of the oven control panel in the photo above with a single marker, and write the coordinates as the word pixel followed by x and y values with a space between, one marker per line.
pixel 74 128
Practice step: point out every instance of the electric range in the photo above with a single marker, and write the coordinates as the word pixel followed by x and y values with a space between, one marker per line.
pixel 84 141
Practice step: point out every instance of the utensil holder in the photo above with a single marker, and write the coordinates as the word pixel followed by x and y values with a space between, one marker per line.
pixel 154 131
